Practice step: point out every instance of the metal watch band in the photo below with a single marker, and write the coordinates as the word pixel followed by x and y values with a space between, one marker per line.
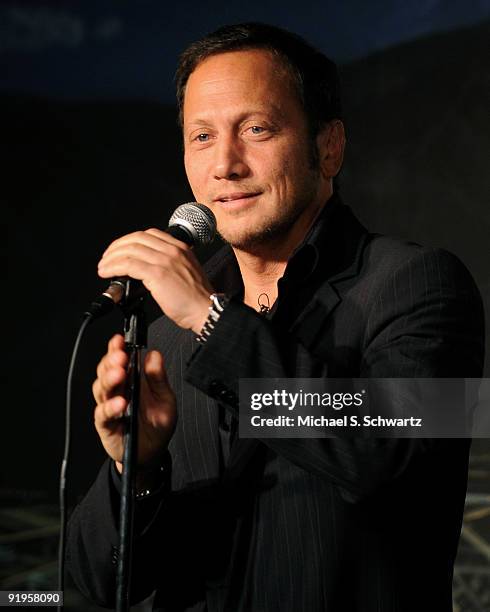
pixel 218 303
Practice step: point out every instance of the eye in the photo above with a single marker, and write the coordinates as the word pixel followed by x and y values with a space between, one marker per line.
pixel 203 137
pixel 257 129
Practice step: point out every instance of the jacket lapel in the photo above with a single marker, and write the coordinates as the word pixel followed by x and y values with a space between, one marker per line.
pixel 340 243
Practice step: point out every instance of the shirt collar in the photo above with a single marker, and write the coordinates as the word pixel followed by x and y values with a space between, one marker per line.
pixel 305 258
pixel 332 243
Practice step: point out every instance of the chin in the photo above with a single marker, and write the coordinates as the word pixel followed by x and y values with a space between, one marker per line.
pixel 242 241
pixel 248 239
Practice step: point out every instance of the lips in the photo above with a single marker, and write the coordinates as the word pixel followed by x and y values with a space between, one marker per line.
pixel 238 195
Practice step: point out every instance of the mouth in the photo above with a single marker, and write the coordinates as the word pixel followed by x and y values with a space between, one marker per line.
pixel 237 198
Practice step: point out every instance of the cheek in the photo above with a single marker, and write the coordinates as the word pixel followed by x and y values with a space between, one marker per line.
pixel 289 167
pixel 285 179
pixel 194 175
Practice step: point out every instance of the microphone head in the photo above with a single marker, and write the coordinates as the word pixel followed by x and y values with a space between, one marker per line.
pixel 196 218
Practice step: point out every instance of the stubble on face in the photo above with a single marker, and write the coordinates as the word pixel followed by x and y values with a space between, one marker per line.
pixel 275 228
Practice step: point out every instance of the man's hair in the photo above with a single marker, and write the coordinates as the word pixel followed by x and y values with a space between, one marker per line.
pixel 313 75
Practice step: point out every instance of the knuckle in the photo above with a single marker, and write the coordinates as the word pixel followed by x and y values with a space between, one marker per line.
pixel 98 414
pixel 104 413
pixel 96 389
pixel 172 250
pixel 100 368
pixel 160 272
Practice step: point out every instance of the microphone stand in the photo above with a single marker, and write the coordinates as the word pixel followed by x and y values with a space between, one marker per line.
pixel 135 336
pixel 192 223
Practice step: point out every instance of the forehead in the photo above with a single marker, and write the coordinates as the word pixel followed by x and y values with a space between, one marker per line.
pixel 252 77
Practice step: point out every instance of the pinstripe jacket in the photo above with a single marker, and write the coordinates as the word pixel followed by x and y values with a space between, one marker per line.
pixel 302 525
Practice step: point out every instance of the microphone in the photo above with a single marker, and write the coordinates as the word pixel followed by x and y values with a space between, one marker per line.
pixel 191 223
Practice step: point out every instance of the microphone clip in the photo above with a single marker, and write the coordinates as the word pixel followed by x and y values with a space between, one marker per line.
pixel 127 293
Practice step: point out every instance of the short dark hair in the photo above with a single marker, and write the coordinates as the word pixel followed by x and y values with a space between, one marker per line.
pixel 314 76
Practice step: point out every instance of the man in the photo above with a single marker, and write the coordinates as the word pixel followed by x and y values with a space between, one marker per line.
pixel 224 523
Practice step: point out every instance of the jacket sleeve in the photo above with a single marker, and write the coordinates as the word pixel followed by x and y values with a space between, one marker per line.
pixel 174 539
pixel 93 539
pixel 426 321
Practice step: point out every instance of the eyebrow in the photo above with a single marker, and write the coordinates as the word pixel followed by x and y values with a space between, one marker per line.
pixel 272 116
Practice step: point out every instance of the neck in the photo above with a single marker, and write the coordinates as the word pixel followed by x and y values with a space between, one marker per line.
pixel 259 276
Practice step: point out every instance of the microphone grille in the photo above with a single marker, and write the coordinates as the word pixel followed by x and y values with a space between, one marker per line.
pixel 198 219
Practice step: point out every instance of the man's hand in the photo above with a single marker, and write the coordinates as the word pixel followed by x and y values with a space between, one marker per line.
pixel 168 269
pixel 157 412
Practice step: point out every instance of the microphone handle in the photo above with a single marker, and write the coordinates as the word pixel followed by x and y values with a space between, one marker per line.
pixel 181 233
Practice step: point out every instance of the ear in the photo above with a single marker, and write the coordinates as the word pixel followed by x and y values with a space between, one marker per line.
pixel 331 145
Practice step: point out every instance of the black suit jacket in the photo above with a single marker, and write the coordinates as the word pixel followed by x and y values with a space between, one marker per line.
pixel 300 524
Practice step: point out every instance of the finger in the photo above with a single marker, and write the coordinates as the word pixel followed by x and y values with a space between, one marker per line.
pixel 110 381
pixel 145 253
pixel 115 359
pixel 116 343
pixel 168 238
pixel 129 266
pixel 116 355
pixel 152 238
pixel 154 369
pixel 156 375
pixel 109 386
pixel 113 381
pixel 132 237
pixel 97 391
pixel 109 413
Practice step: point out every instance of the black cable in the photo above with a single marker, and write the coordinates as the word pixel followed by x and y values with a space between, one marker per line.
pixel 66 456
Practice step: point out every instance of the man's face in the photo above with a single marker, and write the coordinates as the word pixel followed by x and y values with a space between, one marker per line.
pixel 247 152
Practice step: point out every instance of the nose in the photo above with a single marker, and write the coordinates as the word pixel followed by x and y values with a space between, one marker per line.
pixel 229 160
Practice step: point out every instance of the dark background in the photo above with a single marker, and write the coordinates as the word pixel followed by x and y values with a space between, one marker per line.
pixel 91 151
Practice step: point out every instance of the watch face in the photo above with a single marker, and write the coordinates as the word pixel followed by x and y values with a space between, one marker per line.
pixel 219 300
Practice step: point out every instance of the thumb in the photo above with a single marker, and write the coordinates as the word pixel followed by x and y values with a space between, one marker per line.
pixel 155 373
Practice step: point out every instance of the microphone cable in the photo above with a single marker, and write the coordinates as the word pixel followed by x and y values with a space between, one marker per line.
pixel 66 455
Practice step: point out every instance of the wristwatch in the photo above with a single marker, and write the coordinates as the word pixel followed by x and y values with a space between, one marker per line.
pixel 218 304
